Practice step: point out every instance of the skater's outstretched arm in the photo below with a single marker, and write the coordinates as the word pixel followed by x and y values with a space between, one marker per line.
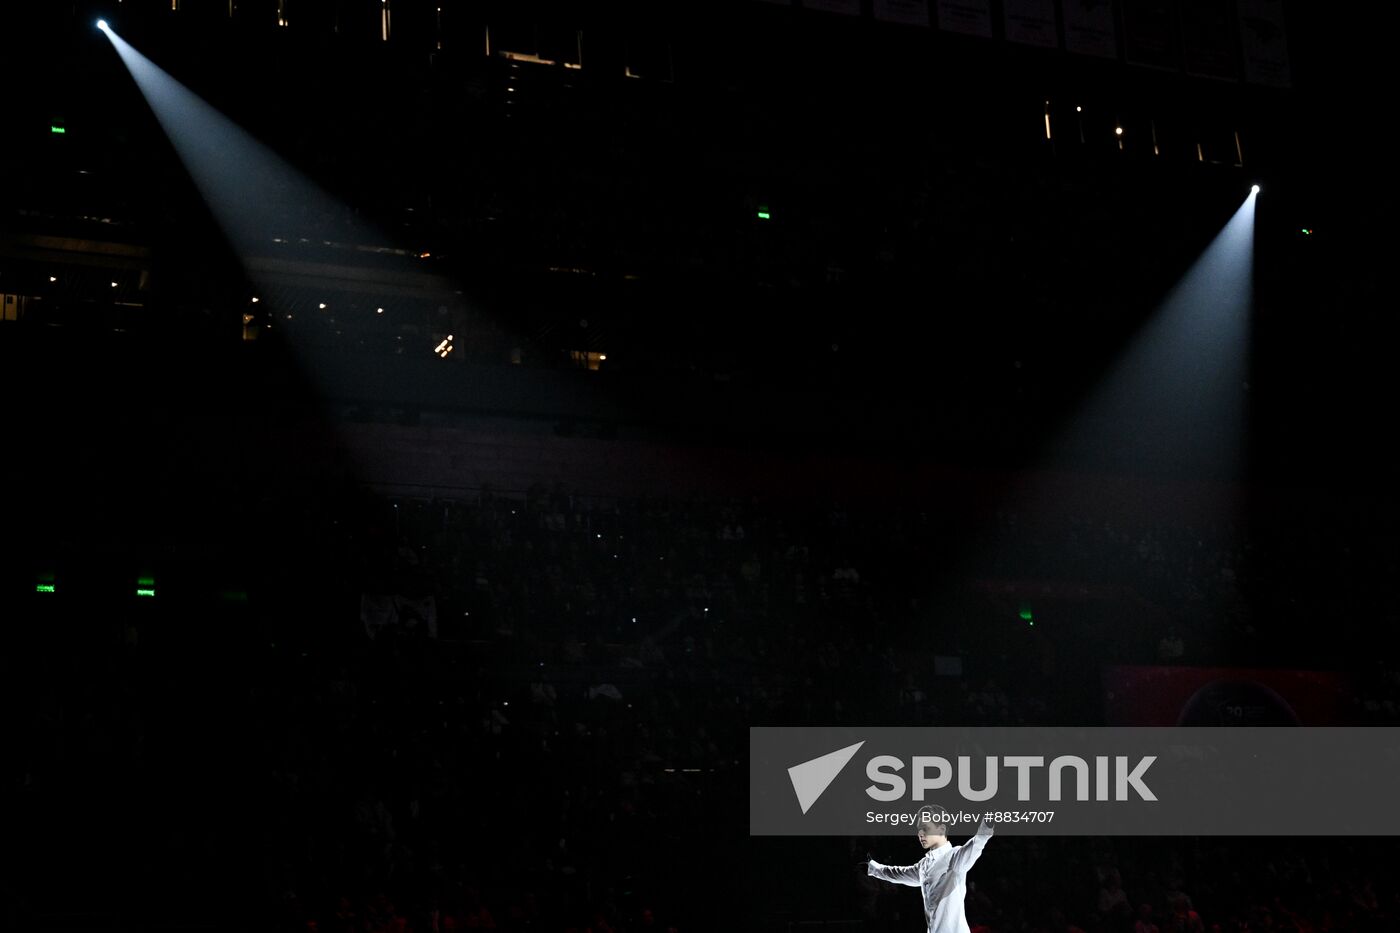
pixel 966 854
pixel 895 874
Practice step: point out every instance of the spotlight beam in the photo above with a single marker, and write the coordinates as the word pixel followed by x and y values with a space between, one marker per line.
pixel 1175 397
pixel 257 198
pixel 252 192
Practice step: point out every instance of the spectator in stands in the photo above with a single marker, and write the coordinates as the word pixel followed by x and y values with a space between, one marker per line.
pixel 1113 900
pixel 1058 923
pixel 1182 918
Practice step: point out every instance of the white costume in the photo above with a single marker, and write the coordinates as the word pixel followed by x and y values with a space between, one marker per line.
pixel 942 875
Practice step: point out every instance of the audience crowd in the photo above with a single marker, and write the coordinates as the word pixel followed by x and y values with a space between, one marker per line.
pixel 530 711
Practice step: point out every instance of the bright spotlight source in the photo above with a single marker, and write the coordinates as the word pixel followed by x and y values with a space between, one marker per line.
pixel 1253 189
pixel 102 24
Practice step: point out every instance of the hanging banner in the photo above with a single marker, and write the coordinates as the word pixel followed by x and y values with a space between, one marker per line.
pixel 1216 696
pixel 846 7
pixel 909 12
pixel 1208 39
pixel 1265 43
pixel 969 17
pixel 1151 34
pixel 1031 22
pixel 1089 28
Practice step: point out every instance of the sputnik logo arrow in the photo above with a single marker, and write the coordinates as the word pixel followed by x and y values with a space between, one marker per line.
pixel 811 778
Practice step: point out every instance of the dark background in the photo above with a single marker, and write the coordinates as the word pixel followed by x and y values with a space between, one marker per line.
pixel 800 468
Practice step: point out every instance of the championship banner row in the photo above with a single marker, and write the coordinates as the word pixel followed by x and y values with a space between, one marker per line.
pixel 1224 39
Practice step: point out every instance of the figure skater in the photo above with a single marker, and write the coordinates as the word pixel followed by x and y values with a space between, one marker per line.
pixel 941 874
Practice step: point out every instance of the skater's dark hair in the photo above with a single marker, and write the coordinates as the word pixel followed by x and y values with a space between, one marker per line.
pixel 931 822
